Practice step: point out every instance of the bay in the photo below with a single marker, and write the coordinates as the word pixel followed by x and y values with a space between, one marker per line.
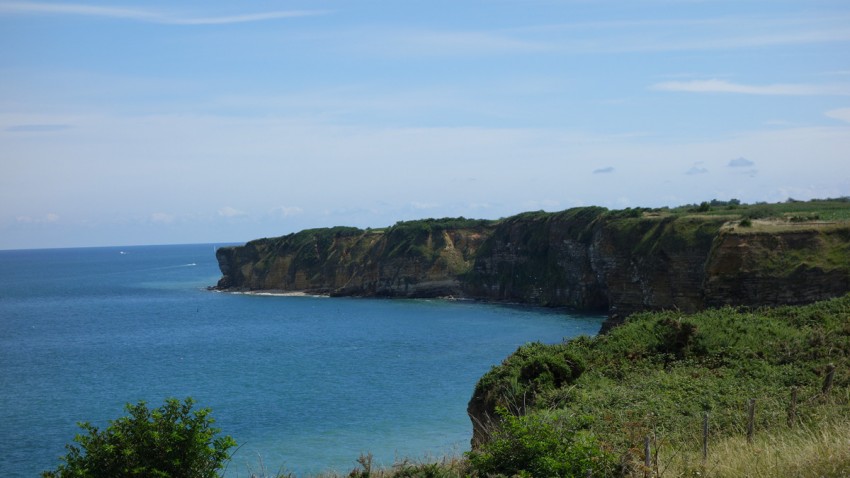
pixel 304 384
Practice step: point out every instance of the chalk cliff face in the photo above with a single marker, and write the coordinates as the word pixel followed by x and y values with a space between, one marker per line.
pixel 585 258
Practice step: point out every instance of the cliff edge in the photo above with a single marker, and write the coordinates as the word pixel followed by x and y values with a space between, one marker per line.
pixel 589 259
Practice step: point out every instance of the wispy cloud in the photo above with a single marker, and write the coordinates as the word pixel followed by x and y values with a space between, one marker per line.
pixel 605 170
pixel 286 211
pixel 162 218
pixel 690 34
pixel 228 211
pixel 48 218
pixel 841 114
pixel 144 15
pixel 740 163
pixel 722 86
pixel 37 128
pixel 423 205
pixel 435 42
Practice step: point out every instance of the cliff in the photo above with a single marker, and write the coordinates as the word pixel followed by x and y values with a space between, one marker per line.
pixel 411 259
pixel 588 259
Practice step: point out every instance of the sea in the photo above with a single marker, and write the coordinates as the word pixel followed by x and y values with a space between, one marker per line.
pixel 304 384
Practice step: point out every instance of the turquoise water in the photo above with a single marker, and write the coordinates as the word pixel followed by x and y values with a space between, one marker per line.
pixel 304 384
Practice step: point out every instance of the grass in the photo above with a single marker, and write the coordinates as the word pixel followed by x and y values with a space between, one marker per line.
pixel 805 452
pixel 836 209
pixel 446 467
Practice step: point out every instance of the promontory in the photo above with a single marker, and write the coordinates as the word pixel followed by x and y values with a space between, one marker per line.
pixel 589 258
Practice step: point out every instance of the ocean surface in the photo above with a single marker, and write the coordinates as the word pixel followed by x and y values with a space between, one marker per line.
pixel 303 384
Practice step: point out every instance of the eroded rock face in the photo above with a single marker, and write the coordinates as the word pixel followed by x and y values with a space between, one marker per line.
pixel 766 268
pixel 401 262
pixel 585 258
pixel 542 259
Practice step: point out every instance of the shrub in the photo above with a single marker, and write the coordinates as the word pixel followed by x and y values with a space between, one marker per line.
pixel 171 441
pixel 540 444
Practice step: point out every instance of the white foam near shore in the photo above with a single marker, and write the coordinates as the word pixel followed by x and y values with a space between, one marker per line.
pixel 278 293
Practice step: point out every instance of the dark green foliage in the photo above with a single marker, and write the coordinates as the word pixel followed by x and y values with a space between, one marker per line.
pixel 532 370
pixel 804 217
pixel 759 211
pixel 730 204
pixel 625 213
pixel 169 442
pixel 677 338
pixel 659 372
pixel 541 445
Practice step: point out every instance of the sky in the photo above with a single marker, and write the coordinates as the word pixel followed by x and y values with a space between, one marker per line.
pixel 152 122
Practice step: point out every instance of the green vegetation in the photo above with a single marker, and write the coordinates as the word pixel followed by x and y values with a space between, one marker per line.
pixel 830 209
pixel 544 444
pixel 169 442
pixel 424 238
pixel 659 374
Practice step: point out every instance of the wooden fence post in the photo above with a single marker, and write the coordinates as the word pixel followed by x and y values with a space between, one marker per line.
pixel 751 418
pixel 827 381
pixel 792 410
pixel 705 438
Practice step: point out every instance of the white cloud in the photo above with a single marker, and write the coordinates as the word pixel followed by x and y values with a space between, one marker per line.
pixel 37 128
pixel 721 86
pixel 150 16
pixel 691 34
pixel 423 205
pixel 228 211
pixel 696 169
pixel 48 218
pixel 286 211
pixel 162 218
pixel 740 163
pixel 841 114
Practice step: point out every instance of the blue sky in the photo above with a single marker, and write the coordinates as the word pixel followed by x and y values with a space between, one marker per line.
pixel 207 121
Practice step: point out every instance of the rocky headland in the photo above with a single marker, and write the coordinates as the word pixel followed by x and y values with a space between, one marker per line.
pixel 587 259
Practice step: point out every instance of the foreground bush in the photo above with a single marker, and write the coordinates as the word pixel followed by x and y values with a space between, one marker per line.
pixel 170 442
pixel 541 444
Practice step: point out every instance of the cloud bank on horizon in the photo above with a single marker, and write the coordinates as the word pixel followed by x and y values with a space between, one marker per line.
pixel 127 122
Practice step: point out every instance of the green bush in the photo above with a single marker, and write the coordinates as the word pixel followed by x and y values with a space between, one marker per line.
pixel 540 444
pixel 170 442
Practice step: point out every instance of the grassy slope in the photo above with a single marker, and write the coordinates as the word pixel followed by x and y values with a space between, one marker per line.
pixel 659 373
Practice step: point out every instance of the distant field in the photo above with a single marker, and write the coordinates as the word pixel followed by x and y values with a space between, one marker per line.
pixel 792 211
